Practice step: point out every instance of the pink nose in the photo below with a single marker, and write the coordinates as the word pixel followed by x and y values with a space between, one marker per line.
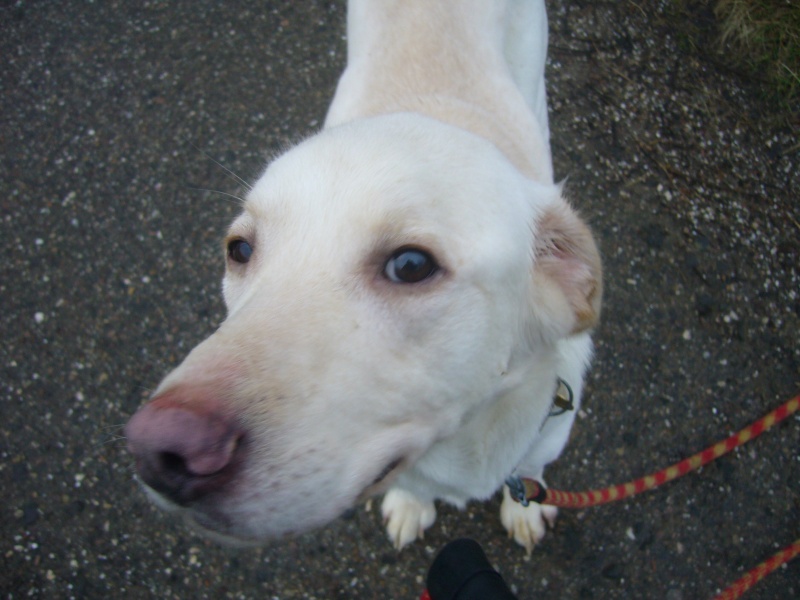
pixel 184 449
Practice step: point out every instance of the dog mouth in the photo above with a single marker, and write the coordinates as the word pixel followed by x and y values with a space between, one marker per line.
pixel 213 522
pixel 383 478
pixel 387 470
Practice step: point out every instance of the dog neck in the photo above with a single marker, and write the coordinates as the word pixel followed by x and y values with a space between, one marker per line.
pixel 446 62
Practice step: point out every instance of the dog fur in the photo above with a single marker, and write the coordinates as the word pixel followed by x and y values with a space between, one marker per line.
pixel 340 382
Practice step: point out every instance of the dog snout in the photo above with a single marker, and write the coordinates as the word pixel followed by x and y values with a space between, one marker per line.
pixel 184 449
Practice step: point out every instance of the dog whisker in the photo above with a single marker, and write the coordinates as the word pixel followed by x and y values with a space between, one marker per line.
pixel 232 174
pixel 117 426
pixel 239 199
pixel 114 440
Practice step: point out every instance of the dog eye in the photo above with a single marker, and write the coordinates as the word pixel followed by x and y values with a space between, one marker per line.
pixel 410 265
pixel 239 251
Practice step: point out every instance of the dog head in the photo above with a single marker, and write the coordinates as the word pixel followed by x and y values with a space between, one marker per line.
pixel 380 280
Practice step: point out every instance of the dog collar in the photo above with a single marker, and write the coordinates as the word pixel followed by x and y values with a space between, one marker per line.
pixel 563 401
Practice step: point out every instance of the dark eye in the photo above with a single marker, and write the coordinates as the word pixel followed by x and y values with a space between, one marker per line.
pixel 410 265
pixel 239 251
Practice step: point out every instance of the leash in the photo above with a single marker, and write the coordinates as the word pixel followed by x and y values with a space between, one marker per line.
pixel 525 490
pixel 753 576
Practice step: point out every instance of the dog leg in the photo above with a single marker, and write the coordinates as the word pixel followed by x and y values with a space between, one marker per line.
pixel 526 524
pixel 406 517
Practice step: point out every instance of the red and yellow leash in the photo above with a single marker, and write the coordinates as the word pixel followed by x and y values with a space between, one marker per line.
pixel 753 576
pixel 527 490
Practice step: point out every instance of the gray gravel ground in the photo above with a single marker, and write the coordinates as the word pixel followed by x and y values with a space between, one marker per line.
pixel 111 267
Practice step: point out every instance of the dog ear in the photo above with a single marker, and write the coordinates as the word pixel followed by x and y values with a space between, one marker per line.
pixel 567 282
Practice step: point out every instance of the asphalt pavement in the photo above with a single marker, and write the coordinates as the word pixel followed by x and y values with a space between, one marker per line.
pixel 116 117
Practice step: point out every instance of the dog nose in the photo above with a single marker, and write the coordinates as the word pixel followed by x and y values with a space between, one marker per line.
pixel 184 449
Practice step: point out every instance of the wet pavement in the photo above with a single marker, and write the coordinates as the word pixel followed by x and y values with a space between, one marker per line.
pixel 114 117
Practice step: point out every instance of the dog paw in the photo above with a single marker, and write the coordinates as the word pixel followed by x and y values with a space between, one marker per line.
pixel 526 524
pixel 406 517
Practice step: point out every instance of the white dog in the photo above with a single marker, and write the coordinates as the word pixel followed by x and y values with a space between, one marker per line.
pixel 404 291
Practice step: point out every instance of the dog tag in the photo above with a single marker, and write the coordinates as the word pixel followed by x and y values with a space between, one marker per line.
pixel 563 400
